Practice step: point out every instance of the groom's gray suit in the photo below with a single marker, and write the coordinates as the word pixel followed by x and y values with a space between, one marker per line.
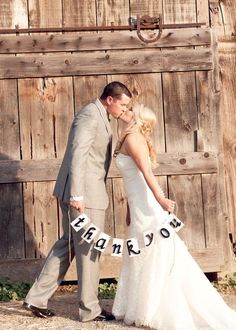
pixel 82 173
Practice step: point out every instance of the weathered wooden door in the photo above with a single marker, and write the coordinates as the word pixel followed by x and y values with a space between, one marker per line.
pixel 177 77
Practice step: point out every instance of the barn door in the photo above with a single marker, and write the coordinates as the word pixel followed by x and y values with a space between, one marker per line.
pixel 176 76
pixel 188 144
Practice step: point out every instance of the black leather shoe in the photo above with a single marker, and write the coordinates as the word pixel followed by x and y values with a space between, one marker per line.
pixel 104 316
pixel 39 312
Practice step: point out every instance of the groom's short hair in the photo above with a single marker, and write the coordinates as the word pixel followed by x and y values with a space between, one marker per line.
pixel 115 89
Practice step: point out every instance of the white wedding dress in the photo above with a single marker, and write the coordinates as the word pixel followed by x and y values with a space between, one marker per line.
pixel 163 287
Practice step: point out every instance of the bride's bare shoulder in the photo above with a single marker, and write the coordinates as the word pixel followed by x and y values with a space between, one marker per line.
pixel 134 136
pixel 135 139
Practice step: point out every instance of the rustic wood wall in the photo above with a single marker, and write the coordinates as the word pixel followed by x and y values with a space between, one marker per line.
pixel 223 19
pixel 43 83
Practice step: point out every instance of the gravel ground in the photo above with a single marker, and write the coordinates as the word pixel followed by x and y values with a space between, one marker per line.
pixel 14 317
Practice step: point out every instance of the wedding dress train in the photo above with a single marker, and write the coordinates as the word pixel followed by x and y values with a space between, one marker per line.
pixel 163 287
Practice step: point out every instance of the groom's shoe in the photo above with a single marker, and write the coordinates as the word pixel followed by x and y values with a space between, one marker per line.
pixel 39 312
pixel 104 316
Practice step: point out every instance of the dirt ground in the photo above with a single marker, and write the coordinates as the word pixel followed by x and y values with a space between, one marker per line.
pixel 14 317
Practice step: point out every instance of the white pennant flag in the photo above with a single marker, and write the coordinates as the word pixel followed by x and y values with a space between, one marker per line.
pixel 148 237
pixel 90 233
pixel 102 242
pixel 80 222
pixel 174 222
pixel 117 247
pixel 133 248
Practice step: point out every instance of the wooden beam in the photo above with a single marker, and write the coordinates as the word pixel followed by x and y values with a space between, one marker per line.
pixel 210 260
pixel 101 62
pixel 101 41
pixel 47 169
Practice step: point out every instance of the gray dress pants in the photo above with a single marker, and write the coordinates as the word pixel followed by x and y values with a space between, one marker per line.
pixel 58 262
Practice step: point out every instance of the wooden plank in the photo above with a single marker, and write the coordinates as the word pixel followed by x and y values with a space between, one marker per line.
pixel 109 12
pixel 41 228
pixel 202 7
pixel 140 7
pixel 180 118
pixel 227 109
pixel 87 89
pixel 46 99
pixel 206 138
pixel 45 13
pixel 168 164
pixel 9 121
pixel 179 11
pixel 79 13
pixel 210 260
pixel 13 13
pixel 101 41
pixel 213 223
pixel 11 208
pixel 223 16
pixel 111 62
pixel 11 224
pixel 186 191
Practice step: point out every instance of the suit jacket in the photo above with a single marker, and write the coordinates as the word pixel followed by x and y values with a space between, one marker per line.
pixel 87 158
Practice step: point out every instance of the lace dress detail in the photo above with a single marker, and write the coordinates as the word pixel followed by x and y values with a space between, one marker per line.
pixel 163 287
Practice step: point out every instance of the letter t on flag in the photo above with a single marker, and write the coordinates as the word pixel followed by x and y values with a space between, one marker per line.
pixel 80 222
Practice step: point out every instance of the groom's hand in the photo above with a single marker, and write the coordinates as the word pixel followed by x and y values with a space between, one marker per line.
pixel 78 205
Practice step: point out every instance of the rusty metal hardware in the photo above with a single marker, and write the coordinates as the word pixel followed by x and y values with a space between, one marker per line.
pixel 147 20
pixel 141 23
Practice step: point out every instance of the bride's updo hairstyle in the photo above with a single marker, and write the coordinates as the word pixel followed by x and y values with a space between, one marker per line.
pixel 144 122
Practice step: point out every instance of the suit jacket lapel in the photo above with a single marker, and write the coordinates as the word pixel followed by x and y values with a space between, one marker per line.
pixel 104 116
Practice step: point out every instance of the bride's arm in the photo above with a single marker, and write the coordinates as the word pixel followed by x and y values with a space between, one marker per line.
pixel 136 147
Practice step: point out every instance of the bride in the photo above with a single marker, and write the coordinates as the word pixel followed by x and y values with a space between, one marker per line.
pixel 162 287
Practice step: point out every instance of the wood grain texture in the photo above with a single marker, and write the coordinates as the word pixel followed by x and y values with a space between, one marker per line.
pixel 186 192
pixel 45 13
pixel 140 7
pixel 227 106
pixel 179 11
pixel 202 7
pixel 87 89
pixel 79 13
pixel 13 13
pixel 102 41
pixel 223 17
pixel 168 163
pixel 116 12
pixel 27 269
pixel 111 62
pixel 9 120
pixel 11 207
pixel 179 93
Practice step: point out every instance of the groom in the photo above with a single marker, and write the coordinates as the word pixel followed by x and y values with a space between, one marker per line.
pixel 80 187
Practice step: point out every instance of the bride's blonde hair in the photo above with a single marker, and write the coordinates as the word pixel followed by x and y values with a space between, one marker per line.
pixel 144 122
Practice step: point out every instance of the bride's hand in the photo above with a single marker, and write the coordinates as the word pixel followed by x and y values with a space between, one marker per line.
pixel 167 204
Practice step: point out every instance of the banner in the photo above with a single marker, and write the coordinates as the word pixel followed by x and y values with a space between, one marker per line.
pixel 92 233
